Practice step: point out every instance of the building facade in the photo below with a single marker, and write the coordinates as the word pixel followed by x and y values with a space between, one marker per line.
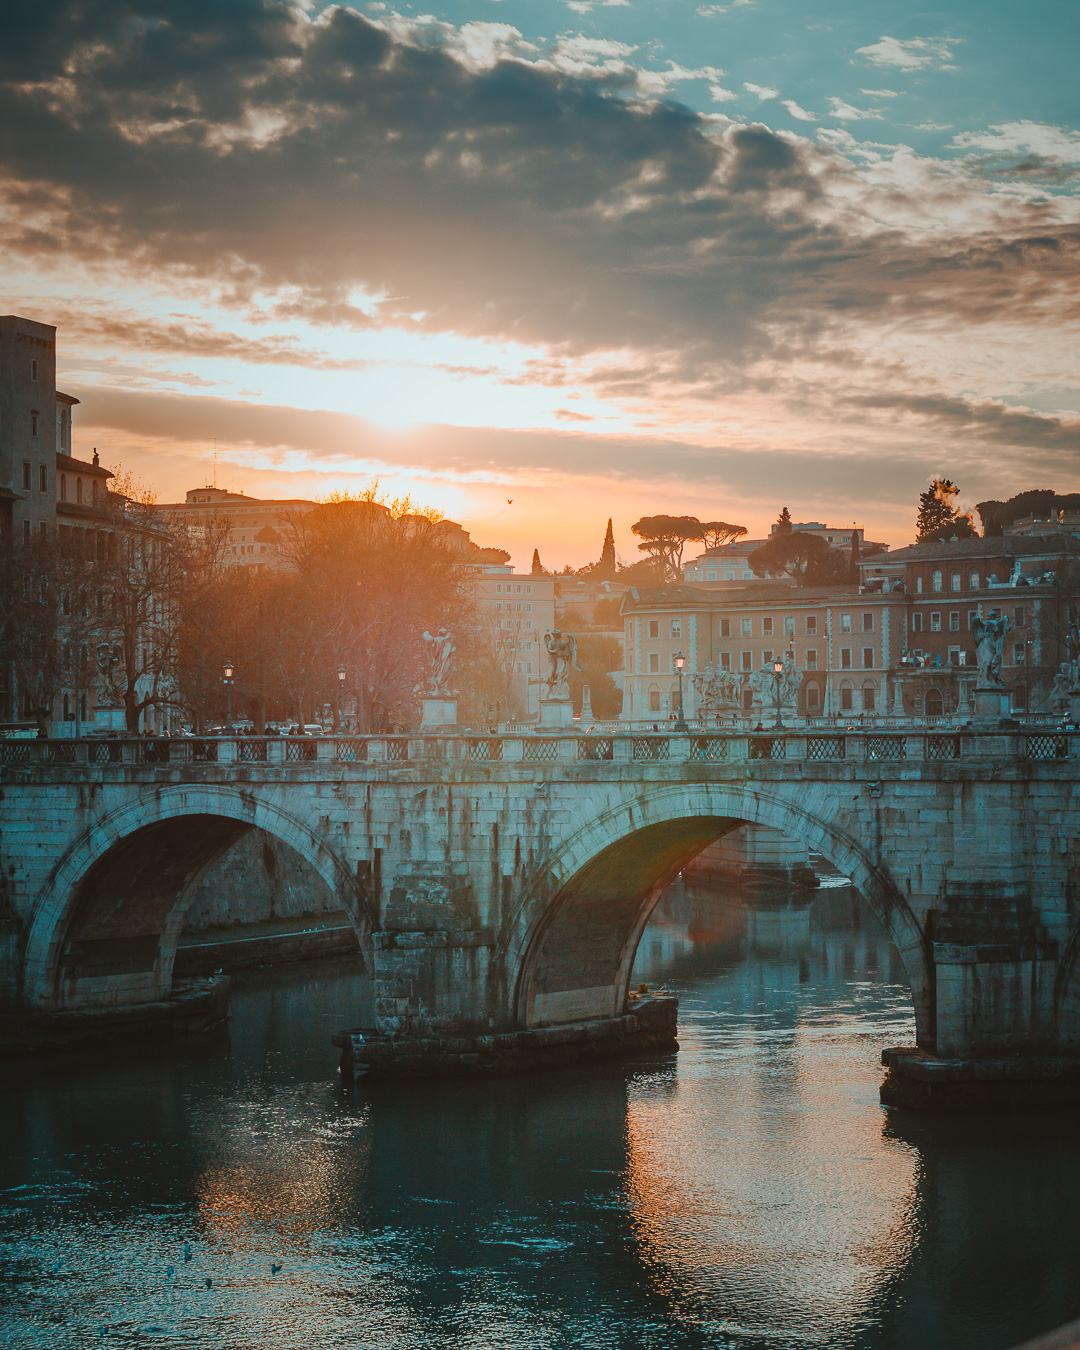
pixel 514 613
pixel 845 642
pixel 253 529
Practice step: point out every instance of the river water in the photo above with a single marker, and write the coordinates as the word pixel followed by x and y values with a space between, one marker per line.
pixel 748 1192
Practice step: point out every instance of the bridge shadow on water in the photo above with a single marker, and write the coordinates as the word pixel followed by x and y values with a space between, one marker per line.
pixel 748 1192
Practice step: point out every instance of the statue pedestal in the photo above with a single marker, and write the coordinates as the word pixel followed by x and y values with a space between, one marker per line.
pixel 438 714
pixel 1074 706
pixel 990 704
pixel 556 712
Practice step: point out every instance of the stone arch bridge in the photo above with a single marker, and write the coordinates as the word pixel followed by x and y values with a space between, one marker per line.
pixel 503 882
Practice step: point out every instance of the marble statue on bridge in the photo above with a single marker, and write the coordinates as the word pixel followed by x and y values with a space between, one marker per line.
pixel 989 634
pixel 718 691
pixel 439 649
pixel 763 683
pixel 562 654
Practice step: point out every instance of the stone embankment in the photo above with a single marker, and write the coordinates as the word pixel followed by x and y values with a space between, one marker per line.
pixel 648 1027
pixel 195 1009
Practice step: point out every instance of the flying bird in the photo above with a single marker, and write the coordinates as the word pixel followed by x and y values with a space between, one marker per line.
pixel 509 501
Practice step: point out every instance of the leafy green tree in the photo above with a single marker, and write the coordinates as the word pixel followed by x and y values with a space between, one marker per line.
pixel 663 538
pixel 717 533
pixel 938 517
pixel 805 557
pixel 607 565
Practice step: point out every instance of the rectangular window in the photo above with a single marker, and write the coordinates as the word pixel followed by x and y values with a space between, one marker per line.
pixel 845 658
pixel 654 627
pixel 811 658
pixel 869 698
pixel 789 625
pixel 845 623
pixel 954 656
pixel 725 627
pixel 1018 653
pixel 1018 617
pixel 654 663
pixel 868 621
pixel 26 475
pixel 725 660
pixel 766 658
pixel 971 616
pixel 918 585
pixel 766 627
pixel 954 581
pixel 747 660
pixel 26 531
pixel 812 699
pixel 916 621
pixel 676 628
pixel 811 623
pixel 973 581
pixel 868 658
pixel 710 576
pixel 935 621
pixel 33 370
pixel 954 621
pixel 746 628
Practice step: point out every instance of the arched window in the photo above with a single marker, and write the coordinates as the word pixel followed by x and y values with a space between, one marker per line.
pixel 869 696
pixel 973 581
pixel 813 696
pixel 654 698
pixel 936 580
pixel 935 704
pixel 846 696
pixel 67 708
pixel 84 707
pixel 673 698
pixel 63 487
pixel 78 490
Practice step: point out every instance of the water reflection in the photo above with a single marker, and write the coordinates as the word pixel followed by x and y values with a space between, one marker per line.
pixel 748 1192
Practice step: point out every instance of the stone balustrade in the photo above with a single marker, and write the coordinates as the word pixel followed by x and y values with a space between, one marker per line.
pixel 1023 743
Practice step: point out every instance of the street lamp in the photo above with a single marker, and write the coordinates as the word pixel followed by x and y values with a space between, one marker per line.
pixel 680 721
pixel 778 672
pixel 227 680
pixel 341 697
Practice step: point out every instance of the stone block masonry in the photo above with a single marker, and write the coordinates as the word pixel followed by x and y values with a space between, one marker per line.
pixel 501 884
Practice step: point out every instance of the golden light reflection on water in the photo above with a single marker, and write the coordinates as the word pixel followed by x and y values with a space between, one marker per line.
pixel 761 1198
pixel 280 1166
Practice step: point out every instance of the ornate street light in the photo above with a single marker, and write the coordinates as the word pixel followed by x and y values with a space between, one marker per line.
pixel 680 721
pixel 778 673
pixel 227 680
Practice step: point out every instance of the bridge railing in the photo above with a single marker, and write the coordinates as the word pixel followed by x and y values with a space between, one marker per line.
pixel 821 744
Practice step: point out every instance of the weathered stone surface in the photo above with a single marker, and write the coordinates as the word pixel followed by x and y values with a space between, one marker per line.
pixel 502 884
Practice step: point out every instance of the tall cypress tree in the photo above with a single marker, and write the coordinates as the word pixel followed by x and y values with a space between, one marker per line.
pixel 783 522
pixel 606 567
pixel 537 565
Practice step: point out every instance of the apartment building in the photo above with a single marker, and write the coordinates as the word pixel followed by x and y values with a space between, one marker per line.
pixel 845 642
pixel 730 564
pixel 515 612
pixel 254 528
pixel 1034 582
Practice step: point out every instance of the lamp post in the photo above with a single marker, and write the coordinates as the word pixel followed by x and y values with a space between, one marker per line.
pixel 680 721
pixel 227 681
pixel 341 697
pixel 778 672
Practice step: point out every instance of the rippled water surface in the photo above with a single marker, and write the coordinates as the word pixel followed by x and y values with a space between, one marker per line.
pixel 749 1192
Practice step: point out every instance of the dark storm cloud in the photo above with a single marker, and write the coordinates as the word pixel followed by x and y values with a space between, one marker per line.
pixel 302 158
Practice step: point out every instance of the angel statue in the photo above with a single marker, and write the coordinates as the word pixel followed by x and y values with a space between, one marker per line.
pixel 562 653
pixel 439 650
pixel 989 636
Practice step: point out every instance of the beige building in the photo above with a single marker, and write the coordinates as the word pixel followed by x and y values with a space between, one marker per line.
pixel 255 526
pixel 845 643
pixel 515 612
pixel 730 563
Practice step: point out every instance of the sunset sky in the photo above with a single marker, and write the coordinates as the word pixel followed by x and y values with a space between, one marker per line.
pixel 599 257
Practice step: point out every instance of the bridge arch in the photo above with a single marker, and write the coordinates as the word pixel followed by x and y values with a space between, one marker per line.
pixel 106 924
pixel 572 947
